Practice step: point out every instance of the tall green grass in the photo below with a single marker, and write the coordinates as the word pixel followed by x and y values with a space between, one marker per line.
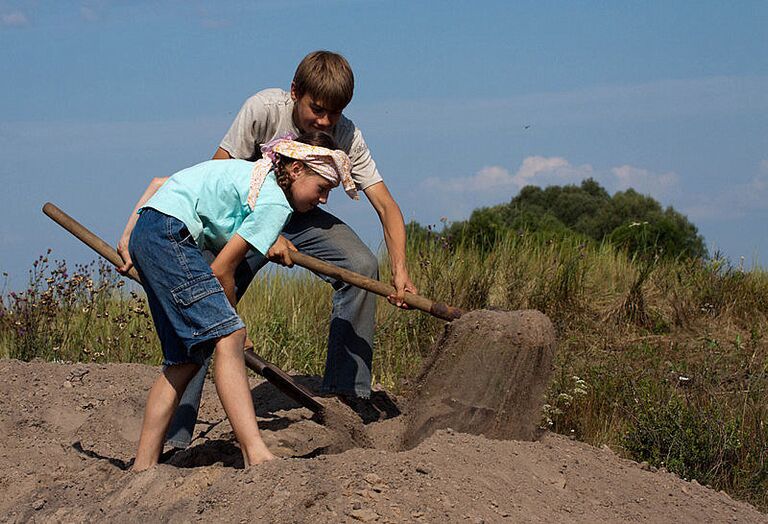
pixel 666 361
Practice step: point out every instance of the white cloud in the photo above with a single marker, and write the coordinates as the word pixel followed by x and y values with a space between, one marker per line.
pixel 538 170
pixel 489 178
pixel 534 170
pixel 537 165
pixel 545 171
pixel 13 19
pixel 644 181
pixel 737 201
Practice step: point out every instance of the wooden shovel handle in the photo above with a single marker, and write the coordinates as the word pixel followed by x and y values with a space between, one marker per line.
pixel 436 309
pixel 87 237
pixel 282 381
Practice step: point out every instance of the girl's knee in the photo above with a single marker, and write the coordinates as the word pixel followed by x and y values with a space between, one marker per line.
pixel 235 340
pixel 236 333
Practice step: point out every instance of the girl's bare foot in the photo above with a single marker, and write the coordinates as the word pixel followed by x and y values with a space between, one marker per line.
pixel 257 456
pixel 141 467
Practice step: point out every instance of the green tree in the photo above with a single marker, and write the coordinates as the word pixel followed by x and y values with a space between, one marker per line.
pixel 630 220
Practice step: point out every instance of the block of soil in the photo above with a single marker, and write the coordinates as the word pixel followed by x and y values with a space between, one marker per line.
pixel 487 376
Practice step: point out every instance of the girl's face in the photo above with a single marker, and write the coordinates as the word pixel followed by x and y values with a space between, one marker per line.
pixel 307 189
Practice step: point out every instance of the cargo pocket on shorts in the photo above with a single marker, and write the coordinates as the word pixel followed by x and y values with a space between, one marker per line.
pixel 204 305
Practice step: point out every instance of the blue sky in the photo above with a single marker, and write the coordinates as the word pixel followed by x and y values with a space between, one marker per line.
pixel 671 98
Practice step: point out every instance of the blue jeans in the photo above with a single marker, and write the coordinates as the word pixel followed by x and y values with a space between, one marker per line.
pixel 350 341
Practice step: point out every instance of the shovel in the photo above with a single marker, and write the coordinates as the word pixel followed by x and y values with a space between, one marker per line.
pixel 269 371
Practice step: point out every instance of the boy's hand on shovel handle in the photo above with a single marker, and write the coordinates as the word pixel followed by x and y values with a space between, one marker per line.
pixel 402 284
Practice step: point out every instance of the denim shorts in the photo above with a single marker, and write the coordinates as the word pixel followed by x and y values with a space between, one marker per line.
pixel 188 304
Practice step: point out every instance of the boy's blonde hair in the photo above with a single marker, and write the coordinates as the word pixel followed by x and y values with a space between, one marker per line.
pixel 326 77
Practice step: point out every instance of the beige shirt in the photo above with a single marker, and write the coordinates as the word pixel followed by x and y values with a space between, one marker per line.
pixel 269 114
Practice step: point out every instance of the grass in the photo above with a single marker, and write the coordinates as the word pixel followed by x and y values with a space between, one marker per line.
pixel 665 361
pixel 78 315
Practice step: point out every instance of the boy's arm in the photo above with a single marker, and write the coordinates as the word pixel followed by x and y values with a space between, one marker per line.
pixel 227 261
pixel 122 245
pixel 221 154
pixel 394 235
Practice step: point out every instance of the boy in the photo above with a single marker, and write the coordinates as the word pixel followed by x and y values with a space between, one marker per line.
pixel 322 87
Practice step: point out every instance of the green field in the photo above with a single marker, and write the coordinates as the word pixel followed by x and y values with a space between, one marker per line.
pixel 666 361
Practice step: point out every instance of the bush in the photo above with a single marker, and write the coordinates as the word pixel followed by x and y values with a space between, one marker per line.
pixel 696 441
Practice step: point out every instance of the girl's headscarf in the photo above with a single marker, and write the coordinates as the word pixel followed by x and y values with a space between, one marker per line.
pixel 333 165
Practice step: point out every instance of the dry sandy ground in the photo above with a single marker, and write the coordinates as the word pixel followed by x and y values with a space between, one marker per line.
pixel 68 428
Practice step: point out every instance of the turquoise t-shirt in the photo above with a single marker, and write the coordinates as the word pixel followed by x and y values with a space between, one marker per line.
pixel 211 199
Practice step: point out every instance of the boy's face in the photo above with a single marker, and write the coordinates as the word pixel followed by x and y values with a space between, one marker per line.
pixel 311 115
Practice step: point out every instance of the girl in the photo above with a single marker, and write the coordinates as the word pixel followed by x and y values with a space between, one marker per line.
pixel 228 207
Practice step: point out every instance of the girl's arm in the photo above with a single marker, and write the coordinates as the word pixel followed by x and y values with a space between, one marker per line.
pixel 227 261
pixel 122 245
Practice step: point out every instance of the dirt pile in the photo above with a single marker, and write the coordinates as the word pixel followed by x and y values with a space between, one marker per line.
pixel 68 431
pixel 487 376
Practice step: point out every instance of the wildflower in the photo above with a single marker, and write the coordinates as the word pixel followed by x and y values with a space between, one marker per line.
pixel 580 386
pixel 550 412
pixel 564 399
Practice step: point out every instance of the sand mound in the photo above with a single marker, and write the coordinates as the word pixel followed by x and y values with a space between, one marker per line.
pixel 68 431
pixel 487 376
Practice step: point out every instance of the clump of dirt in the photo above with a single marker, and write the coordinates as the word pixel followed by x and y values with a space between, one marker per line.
pixel 346 426
pixel 487 376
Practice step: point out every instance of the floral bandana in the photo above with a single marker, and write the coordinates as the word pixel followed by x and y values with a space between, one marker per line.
pixel 333 165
